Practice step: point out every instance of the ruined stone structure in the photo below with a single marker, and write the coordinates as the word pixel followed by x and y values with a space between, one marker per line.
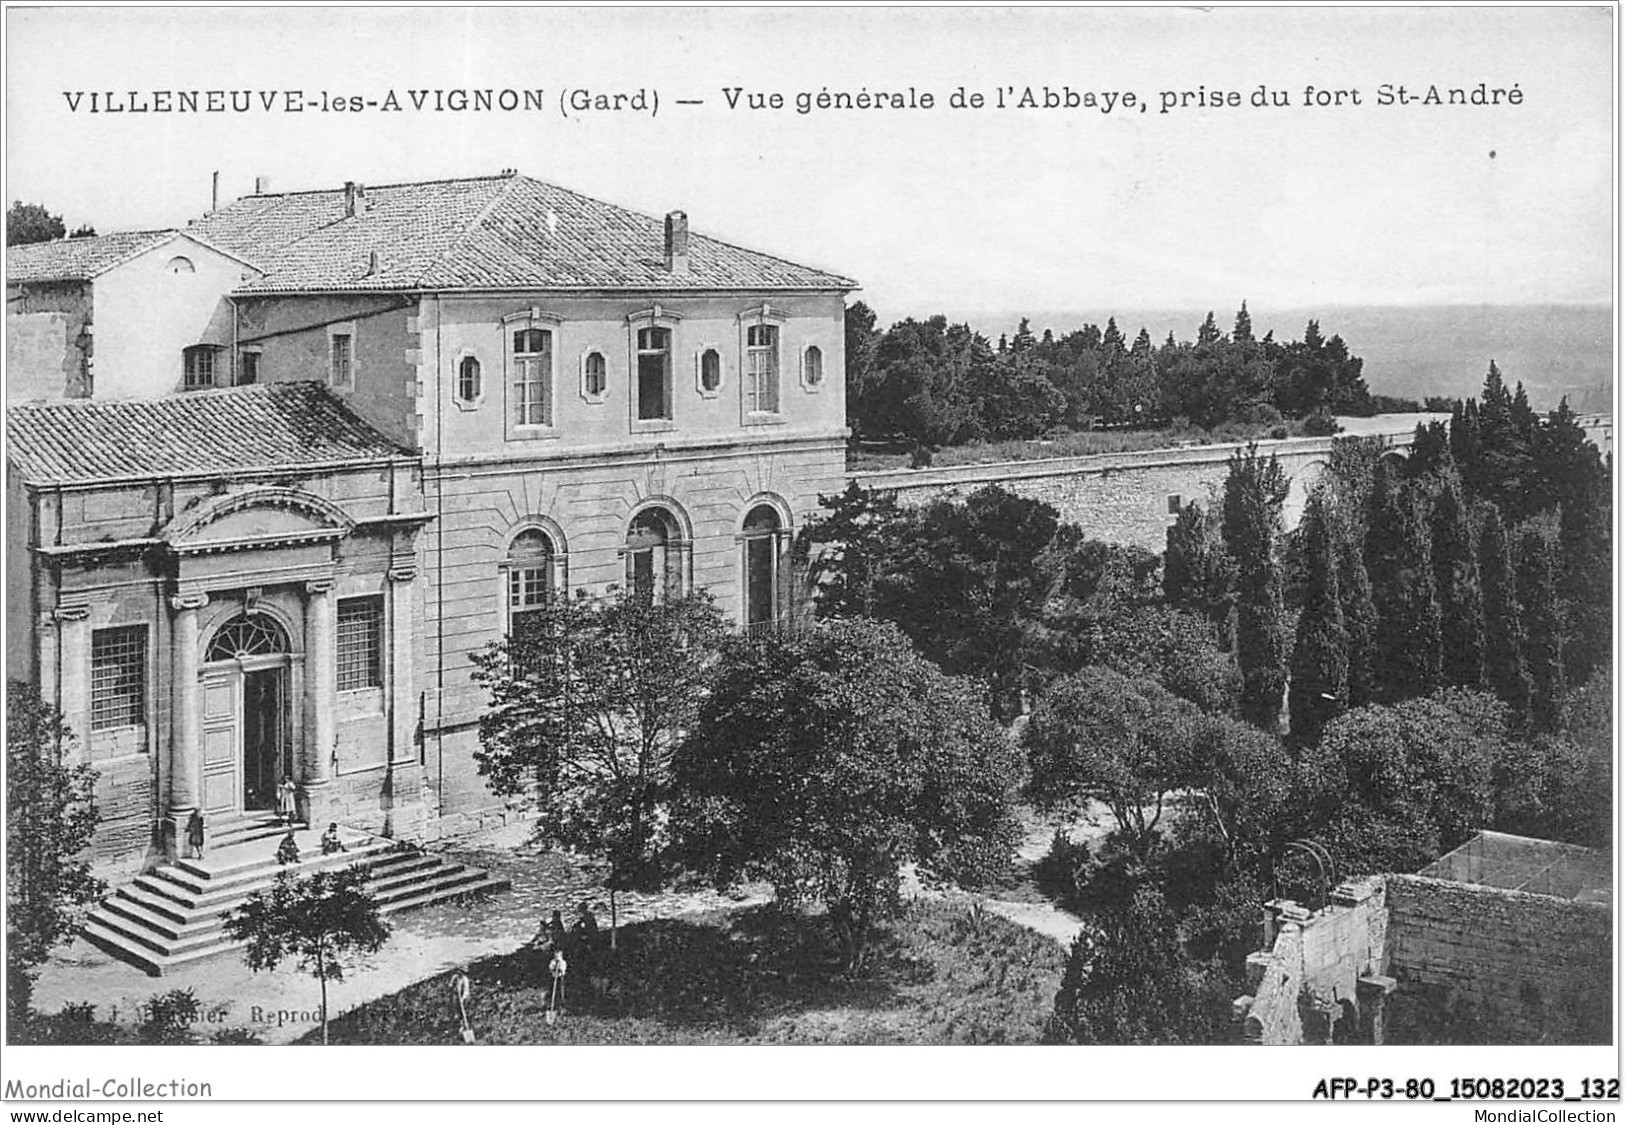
pixel 1505 940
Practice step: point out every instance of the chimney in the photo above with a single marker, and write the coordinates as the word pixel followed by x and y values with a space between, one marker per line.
pixel 262 184
pixel 355 199
pixel 372 264
pixel 214 194
pixel 677 242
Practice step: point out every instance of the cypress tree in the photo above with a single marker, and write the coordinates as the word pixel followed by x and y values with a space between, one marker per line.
pixel 1320 656
pixel 1399 558
pixel 1503 626
pixel 1456 572
pixel 1254 491
pixel 1359 622
pixel 1197 573
pixel 1542 616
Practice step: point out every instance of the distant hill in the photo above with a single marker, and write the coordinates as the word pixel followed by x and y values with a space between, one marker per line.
pixel 1410 352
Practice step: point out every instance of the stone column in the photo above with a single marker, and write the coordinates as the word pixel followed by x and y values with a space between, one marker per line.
pixel 71 690
pixel 402 667
pixel 185 756
pixel 321 676
pixel 1373 991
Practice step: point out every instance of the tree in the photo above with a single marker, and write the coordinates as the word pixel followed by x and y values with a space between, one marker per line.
pixel 1320 657
pixel 1395 786
pixel 1254 491
pixel 1126 742
pixel 1460 591
pixel 319 921
pixel 588 699
pixel 966 582
pixel 1128 980
pixel 1504 665
pixel 861 341
pixel 823 761
pixel 1198 573
pixel 1542 617
pixel 29 222
pixel 50 821
pixel 1399 558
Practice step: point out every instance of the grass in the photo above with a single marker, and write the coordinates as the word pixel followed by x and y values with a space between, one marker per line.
pixel 940 973
pixel 882 457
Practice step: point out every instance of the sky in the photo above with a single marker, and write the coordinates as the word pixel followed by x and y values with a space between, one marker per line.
pixel 941 208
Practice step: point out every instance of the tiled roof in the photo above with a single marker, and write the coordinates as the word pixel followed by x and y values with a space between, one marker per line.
pixel 271 425
pixel 78 259
pixel 496 232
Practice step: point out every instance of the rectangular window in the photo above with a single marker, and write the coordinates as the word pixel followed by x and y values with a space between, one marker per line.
pixel 118 677
pixel 341 372
pixel 528 591
pixel 533 377
pixel 762 369
pixel 248 368
pixel 361 637
pixel 201 365
pixel 654 374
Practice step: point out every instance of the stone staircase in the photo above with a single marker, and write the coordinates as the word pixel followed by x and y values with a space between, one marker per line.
pixel 174 915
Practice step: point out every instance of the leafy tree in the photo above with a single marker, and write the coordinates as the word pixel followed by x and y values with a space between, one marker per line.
pixel 1106 608
pixel 1542 617
pixel 862 340
pixel 319 921
pixel 1126 742
pixel 823 761
pixel 965 583
pixel 29 222
pixel 588 699
pixel 1397 785
pixel 1320 656
pixel 1128 980
pixel 1247 782
pixel 1460 591
pixel 1254 490
pixel 50 821
pixel 1504 664
pixel 851 549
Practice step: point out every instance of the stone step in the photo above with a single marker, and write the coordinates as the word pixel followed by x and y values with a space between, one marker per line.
pixel 175 914
pixel 246 830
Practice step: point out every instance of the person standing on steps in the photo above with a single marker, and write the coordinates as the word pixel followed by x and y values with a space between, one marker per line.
pixel 287 805
pixel 194 835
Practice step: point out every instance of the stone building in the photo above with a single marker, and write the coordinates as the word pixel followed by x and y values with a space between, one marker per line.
pixel 412 414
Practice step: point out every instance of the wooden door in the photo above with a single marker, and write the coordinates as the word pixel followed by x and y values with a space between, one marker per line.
pixel 222 742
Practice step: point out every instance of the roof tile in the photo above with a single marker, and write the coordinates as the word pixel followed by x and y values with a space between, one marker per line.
pixel 500 232
pixel 268 426
pixel 78 259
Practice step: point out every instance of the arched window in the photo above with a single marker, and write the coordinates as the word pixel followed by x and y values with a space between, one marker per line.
pixel 180 264
pixel 248 634
pixel 762 565
pixel 654 555
pixel 470 381
pixel 532 566
pixel 812 367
